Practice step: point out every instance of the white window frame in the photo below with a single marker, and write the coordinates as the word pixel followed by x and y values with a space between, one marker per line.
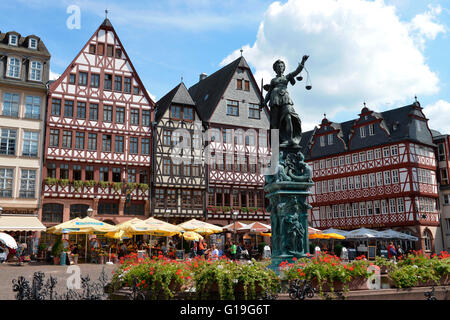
pixel 335 211
pixel 369 208
pixel 329 212
pixel 362 157
pixel 355 158
pixel 335 162
pixel 324 187
pixel 372 181
pixel 400 205
pixel 341 161
pixel 341 210
pixel 318 188
pixel 328 163
pixel 330 185
pixel 344 184
pixel 384 207
pixel 386 152
pixel 387 177
pixel 378 153
pixel 355 207
pixel 12 73
pixel 362 131
pixel 392 206
pixel 369 155
pixel 394 150
pixel 379 179
pixel 330 139
pixel 371 130
pixel 376 207
pixel 362 209
pixel 348 210
pixel 337 185
pixel 322 141
pixel 35 73
pixel 348 159
pixel 322 164
pixel 357 182
pixel 351 184
pixel 16 42
pixel 32 40
pixel 364 181
pixel 28 183
pixel 395 176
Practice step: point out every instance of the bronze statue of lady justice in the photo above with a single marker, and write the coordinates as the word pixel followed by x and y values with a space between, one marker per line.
pixel 282 113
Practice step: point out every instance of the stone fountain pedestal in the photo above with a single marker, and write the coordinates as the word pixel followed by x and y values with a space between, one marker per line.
pixel 287 191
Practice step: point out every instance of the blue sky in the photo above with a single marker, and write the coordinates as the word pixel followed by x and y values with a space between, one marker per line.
pixel 380 52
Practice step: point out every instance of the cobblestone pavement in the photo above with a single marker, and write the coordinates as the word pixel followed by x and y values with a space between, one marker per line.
pixel 10 271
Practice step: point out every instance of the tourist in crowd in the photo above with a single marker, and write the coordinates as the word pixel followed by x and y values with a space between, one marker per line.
pixel 214 252
pixel 399 252
pixel 233 251
pixel 201 248
pixel 392 252
pixel 3 253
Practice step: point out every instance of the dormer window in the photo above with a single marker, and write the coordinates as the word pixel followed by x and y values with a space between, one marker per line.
pixel 362 131
pixel 13 67
pixel 371 130
pixel 13 40
pixel 32 44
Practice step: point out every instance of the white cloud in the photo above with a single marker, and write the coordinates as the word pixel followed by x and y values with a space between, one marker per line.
pixel 54 75
pixel 359 51
pixel 425 26
pixel 438 114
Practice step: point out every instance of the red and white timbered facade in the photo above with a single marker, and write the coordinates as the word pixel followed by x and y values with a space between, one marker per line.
pixel 98 139
pixel 388 180
pixel 237 142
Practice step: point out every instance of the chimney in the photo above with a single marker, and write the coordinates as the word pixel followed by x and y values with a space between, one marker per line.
pixel 203 76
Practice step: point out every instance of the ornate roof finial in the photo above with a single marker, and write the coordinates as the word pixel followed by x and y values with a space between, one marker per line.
pixel 106 13
pixel 324 115
pixel 415 97
pixel 364 104
pixel 181 78
pixel 241 51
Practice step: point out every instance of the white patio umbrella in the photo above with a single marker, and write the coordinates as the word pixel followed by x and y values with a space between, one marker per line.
pixel 363 233
pixel 8 240
pixel 392 234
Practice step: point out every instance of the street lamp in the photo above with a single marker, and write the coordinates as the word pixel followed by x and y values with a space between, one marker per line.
pixel 235 214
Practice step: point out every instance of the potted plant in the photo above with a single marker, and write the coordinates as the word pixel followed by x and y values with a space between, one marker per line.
pixel 57 249
pixel 77 185
pixel 42 249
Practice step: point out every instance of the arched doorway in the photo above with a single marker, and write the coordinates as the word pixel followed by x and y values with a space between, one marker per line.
pixel 427 240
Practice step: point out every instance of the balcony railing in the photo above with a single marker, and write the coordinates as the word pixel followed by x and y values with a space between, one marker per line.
pixel 92 189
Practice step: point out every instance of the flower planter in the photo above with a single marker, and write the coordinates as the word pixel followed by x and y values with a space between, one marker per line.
pixel 359 283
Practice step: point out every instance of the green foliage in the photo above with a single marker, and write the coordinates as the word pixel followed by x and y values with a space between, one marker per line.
pixel 417 268
pixel 51 181
pixel 89 183
pixel 117 186
pixel 338 249
pixel 63 182
pixel 57 248
pixel 77 184
pixel 104 184
pixel 143 187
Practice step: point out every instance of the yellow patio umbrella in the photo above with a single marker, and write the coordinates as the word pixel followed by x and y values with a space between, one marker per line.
pixel 86 225
pixel 118 235
pixel 192 236
pixel 201 227
pixel 161 228
pixel 134 226
pixel 326 236
pixel 265 234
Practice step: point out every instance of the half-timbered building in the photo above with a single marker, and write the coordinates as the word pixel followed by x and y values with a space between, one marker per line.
pixel 443 168
pixel 377 171
pixel 178 179
pixel 98 139
pixel 236 142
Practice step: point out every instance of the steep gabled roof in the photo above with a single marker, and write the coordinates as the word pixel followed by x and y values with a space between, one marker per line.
pixel 179 95
pixel 208 92
pixel 397 122
pixel 106 25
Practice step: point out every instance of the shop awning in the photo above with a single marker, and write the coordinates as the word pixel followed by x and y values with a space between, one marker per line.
pixel 20 223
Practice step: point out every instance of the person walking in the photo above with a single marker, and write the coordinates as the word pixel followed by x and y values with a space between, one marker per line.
pixel 214 252
pixel 233 250
pixel 392 252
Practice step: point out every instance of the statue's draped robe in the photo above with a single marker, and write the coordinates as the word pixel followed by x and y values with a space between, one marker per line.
pixel 281 105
